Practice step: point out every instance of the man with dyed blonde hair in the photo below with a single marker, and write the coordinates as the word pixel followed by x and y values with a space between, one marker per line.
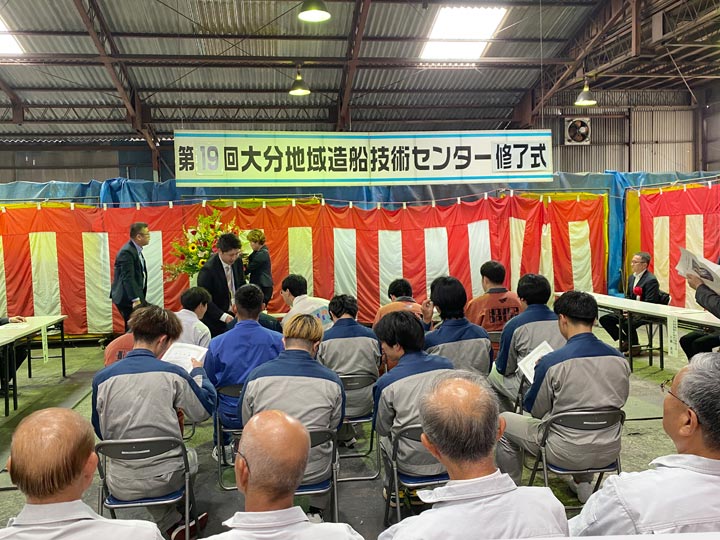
pixel 299 385
pixel 53 461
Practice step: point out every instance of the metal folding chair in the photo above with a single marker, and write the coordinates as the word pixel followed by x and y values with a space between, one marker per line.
pixel 357 382
pixel 407 481
pixel 135 449
pixel 232 391
pixel 317 438
pixel 584 421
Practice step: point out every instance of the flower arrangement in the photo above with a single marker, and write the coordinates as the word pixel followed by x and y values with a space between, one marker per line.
pixel 198 244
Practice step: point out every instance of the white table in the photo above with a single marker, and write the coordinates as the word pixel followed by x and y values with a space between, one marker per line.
pixel 12 333
pixel 672 316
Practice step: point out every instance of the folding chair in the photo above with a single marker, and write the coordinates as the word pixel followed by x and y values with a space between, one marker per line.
pixel 135 449
pixel 407 481
pixel 357 382
pixel 584 421
pixel 232 391
pixel 317 438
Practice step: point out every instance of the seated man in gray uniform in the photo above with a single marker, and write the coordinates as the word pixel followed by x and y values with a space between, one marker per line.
pixel 584 375
pixel 682 493
pixel 467 345
pixel 297 384
pixel 53 462
pixel 412 371
pixel 268 474
pixel 137 398
pixel 524 332
pixel 459 416
pixel 350 348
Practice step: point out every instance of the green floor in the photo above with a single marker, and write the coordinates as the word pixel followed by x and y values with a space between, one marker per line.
pixel 361 503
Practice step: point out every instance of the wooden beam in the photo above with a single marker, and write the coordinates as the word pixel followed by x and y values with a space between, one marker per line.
pixel 362 7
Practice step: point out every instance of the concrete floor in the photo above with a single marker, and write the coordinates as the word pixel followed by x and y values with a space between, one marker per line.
pixel 361 503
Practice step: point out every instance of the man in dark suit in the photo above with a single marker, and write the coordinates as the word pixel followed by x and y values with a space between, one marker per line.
pixel 129 285
pixel 640 281
pixel 221 276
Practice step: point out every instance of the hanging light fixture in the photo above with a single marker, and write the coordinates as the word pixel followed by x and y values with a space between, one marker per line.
pixel 299 86
pixel 586 98
pixel 313 11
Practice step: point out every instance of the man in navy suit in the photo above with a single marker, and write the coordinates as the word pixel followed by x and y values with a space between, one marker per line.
pixel 221 276
pixel 129 285
pixel 648 287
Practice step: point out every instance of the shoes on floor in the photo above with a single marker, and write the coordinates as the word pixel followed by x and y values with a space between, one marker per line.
pixel 348 444
pixel 414 499
pixel 636 351
pixel 582 490
pixel 315 515
pixel 228 454
pixel 177 531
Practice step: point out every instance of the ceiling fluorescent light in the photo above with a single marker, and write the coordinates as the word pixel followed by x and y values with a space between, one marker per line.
pixel 469 23
pixel 8 43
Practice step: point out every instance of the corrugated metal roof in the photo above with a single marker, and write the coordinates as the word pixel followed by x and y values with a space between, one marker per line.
pixel 403 95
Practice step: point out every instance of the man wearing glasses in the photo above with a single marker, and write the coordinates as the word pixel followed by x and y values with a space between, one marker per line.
pixel 129 285
pixel 642 285
pixel 682 493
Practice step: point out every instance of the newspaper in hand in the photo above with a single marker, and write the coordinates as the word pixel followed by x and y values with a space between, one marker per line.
pixel 527 364
pixel 180 354
pixel 707 271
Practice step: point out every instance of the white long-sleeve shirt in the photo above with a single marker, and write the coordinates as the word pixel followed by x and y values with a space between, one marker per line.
pixel 680 495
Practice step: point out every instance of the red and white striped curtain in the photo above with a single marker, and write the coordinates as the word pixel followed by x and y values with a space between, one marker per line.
pixel 60 260
pixel 671 219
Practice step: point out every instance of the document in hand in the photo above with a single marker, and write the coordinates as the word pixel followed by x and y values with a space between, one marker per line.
pixel 704 269
pixel 527 364
pixel 181 353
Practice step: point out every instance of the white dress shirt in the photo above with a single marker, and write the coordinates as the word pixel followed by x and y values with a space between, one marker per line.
pixel 680 495
pixel 74 520
pixel 488 507
pixel 194 332
pixel 288 524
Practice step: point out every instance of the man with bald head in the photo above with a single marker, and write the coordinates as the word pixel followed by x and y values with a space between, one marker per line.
pixel 681 494
pixel 461 424
pixel 268 474
pixel 53 461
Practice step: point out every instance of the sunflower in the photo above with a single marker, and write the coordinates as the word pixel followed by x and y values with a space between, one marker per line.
pixel 192 248
pixel 202 262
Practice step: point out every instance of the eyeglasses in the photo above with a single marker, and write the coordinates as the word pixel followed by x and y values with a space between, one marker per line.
pixel 666 387
pixel 237 452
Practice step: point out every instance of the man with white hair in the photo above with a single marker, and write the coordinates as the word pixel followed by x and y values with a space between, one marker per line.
pixel 268 474
pixel 682 493
pixel 461 425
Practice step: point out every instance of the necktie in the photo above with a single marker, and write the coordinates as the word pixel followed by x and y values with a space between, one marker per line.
pixel 229 278
pixel 144 267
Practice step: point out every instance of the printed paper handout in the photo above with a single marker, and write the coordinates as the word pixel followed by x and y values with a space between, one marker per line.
pixel 527 364
pixel 181 353
pixel 707 271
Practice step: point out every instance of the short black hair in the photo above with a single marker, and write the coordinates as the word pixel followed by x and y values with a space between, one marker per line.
pixel 578 306
pixel 343 304
pixel 450 297
pixel 399 287
pixel 194 296
pixel 136 228
pixel 295 283
pixel 249 300
pixel 644 255
pixel 402 328
pixel 534 289
pixel 493 271
pixel 228 242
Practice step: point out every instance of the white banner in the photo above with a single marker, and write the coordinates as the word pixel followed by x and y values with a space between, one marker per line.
pixel 277 159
